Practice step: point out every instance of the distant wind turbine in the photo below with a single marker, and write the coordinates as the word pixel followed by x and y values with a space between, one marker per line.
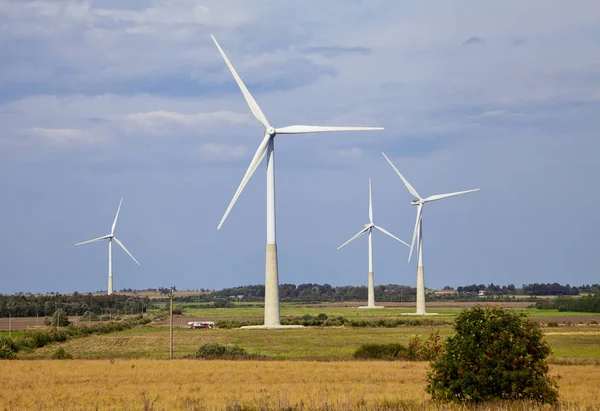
pixel 418 233
pixel 110 237
pixel 369 229
pixel 267 148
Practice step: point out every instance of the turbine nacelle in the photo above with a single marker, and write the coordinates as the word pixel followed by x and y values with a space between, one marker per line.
pixel 370 225
pixel 417 202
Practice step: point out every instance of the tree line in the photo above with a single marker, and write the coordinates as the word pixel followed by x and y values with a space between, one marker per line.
pixel 72 304
pixel 321 293
pixel 587 304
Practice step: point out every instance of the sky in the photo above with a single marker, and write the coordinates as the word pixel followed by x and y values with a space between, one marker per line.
pixel 104 99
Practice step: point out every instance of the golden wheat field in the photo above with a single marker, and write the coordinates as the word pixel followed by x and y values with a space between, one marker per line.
pixel 243 385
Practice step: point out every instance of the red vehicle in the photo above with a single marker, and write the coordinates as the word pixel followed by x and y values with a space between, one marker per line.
pixel 201 324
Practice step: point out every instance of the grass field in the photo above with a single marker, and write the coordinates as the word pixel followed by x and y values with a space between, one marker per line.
pixel 250 385
pixel 447 311
pixel 580 345
pixel 12 334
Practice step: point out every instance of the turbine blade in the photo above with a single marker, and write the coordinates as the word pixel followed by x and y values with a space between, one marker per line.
pixel 104 237
pixel 404 180
pixel 415 233
pixel 370 203
pixel 440 196
pixel 320 129
pixel 384 231
pixel 256 111
pixel 112 231
pixel 361 232
pixel 258 156
pixel 125 249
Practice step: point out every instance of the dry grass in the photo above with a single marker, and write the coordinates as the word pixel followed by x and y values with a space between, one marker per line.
pixel 213 385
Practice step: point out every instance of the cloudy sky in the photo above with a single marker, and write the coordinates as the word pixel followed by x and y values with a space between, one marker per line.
pixel 103 99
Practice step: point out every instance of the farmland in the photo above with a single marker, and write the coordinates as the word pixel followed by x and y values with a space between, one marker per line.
pixel 208 385
pixel 310 368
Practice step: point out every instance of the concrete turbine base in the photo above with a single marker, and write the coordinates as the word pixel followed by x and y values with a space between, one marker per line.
pixel 371 307
pixel 421 314
pixel 270 327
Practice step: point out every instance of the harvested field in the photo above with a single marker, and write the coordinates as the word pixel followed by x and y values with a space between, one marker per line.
pixel 22 323
pixel 214 385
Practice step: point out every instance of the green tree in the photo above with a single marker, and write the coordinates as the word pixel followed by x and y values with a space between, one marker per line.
pixel 493 353
pixel 60 318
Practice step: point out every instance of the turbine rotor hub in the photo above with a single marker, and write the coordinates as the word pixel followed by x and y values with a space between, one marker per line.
pixel 271 131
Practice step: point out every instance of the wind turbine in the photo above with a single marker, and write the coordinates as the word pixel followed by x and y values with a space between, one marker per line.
pixel 110 237
pixel 267 147
pixel 418 233
pixel 369 229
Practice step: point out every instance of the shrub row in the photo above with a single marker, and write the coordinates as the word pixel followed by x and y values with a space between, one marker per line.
pixel 211 351
pixel 323 321
pixel 39 338
pixel 416 350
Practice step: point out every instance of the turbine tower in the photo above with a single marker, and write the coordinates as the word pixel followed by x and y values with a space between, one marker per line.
pixel 418 234
pixel 110 237
pixel 267 148
pixel 369 229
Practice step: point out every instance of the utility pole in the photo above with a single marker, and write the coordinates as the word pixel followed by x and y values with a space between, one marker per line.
pixel 9 325
pixel 171 325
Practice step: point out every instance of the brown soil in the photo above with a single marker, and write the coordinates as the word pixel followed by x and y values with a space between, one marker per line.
pixel 21 323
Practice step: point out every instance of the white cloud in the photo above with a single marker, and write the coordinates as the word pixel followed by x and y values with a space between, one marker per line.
pixel 66 136
pixel 161 122
pixel 221 152
pixel 349 153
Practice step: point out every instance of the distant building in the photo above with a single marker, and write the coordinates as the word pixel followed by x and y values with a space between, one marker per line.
pixel 482 293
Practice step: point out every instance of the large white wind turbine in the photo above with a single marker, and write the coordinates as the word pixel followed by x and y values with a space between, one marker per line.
pixel 369 229
pixel 418 233
pixel 267 147
pixel 110 237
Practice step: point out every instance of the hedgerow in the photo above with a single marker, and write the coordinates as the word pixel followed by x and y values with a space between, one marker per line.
pixel 416 350
pixel 322 320
pixel 210 351
pixel 32 339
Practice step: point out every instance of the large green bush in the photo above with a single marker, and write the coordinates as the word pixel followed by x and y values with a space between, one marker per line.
pixel 494 353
